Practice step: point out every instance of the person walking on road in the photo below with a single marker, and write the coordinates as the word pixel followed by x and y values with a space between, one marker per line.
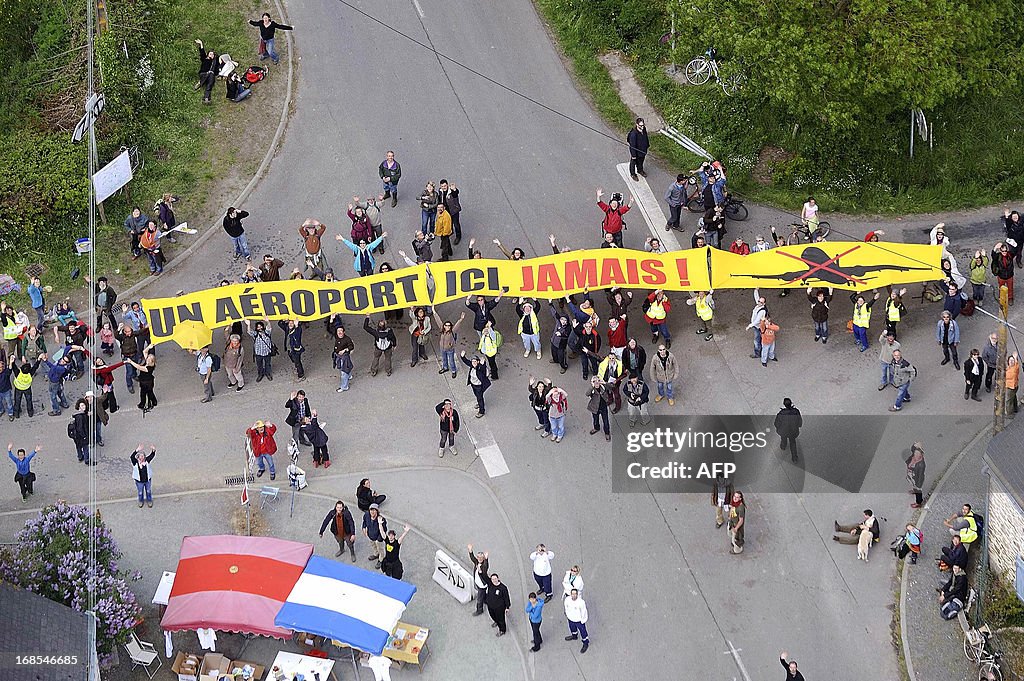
pixel 599 396
pixel 204 366
pixel 142 472
pixel 480 576
pixel 769 331
pixel 261 439
pixel 391 563
pixel 947 335
pixel 915 473
pixel 313 431
pixel 541 559
pixel 637 396
pixel 572 580
pixel 974 369
pixel 233 226
pixel 787 424
pixel 384 342
pixel 675 197
pixel 721 498
pixel 576 614
pixel 903 374
pixel 343 528
pixel 664 370
pixel 23 474
pixel 888 345
pixel 639 142
pixel 737 521
pixel 298 409
pixel 792 673
pixel 390 172
pixel 498 603
pixel 449 425
pixel 757 315
pixel 375 529
pixel 477 380
pixel 534 610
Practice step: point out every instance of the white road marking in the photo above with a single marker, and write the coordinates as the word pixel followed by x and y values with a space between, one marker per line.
pixel 650 207
pixel 493 460
pixel 419 10
pixel 735 652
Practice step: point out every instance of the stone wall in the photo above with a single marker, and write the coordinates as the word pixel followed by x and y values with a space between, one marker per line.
pixel 1005 529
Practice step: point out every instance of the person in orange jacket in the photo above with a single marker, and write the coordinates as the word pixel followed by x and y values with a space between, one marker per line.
pixel 261 439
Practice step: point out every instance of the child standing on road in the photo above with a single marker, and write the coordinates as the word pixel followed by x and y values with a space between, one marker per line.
pixel 24 475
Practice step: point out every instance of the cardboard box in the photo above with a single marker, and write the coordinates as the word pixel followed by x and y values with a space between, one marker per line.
pixel 186 666
pixel 257 675
pixel 214 664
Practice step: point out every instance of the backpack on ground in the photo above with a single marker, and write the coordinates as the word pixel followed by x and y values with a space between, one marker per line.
pixel 215 361
pixel 255 74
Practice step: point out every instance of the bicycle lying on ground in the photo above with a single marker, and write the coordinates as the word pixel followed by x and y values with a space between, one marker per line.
pixel 976 644
pixel 701 69
pixel 800 232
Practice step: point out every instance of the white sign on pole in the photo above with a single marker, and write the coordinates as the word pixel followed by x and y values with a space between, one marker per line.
pixel 112 177
pixel 452 577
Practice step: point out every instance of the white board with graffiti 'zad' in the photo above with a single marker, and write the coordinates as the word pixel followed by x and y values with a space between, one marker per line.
pixel 452 577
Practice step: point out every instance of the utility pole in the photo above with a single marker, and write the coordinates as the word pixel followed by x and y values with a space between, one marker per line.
pixel 999 413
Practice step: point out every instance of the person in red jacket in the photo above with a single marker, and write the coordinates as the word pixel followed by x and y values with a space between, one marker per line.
pixel 739 248
pixel 613 212
pixel 261 439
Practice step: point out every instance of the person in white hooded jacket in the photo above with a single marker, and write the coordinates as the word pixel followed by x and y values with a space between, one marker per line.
pixel 572 580
pixel 576 613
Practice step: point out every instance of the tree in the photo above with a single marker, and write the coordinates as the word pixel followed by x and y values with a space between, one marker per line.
pixel 51 558
pixel 836 62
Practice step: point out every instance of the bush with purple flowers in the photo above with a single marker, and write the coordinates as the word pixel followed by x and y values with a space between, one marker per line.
pixel 51 558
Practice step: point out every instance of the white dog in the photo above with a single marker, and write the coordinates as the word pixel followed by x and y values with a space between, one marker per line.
pixel 864 545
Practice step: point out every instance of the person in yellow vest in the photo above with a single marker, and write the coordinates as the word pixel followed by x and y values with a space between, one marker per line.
pixel 1012 376
pixel 894 310
pixel 704 305
pixel 963 524
pixel 861 318
pixel 490 341
pixel 610 371
pixel 12 330
pixel 656 310
pixel 443 229
pixel 21 380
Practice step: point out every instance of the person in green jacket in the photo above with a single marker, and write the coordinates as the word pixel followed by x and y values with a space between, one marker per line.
pixel 979 269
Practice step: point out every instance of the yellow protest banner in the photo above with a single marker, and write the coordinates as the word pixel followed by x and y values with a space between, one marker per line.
pixel 854 266
pixel 548 277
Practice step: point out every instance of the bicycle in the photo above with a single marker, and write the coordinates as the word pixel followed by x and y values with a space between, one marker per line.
pixel 976 642
pixel 800 232
pixel 733 208
pixel 700 70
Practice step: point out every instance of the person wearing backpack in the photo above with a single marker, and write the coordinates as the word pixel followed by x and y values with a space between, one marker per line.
pixel 966 524
pixel 205 361
pixel 613 211
pixel 903 374
pixel 78 431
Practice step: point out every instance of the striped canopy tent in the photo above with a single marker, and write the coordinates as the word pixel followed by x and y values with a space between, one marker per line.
pixel 345 603
pixel 230 583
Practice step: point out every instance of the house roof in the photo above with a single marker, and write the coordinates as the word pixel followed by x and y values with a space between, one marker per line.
pixel 1003 456
pixel 31 624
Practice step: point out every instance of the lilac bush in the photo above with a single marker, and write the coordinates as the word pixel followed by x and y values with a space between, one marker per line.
pixel 51 558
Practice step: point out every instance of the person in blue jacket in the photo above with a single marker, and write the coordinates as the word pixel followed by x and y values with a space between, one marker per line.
pixel 24 475
pixel 363 262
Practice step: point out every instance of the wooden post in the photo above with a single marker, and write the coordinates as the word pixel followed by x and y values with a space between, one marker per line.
pixel 999 405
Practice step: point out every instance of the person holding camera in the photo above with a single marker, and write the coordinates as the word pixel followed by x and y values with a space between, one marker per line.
pixel 613 211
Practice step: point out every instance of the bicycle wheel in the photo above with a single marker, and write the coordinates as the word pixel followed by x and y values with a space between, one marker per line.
pixel 698 71
pixel 990 671
pixel 824 229
pixel 794 238
pixel 732 84
pixel 973 651
pixel 695 204
pixel 734 210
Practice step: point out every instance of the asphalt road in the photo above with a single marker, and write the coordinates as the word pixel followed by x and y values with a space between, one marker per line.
pixel 665 596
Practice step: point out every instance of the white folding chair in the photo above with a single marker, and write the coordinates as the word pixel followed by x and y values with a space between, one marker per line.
pixel 143 655
pixel 269 495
